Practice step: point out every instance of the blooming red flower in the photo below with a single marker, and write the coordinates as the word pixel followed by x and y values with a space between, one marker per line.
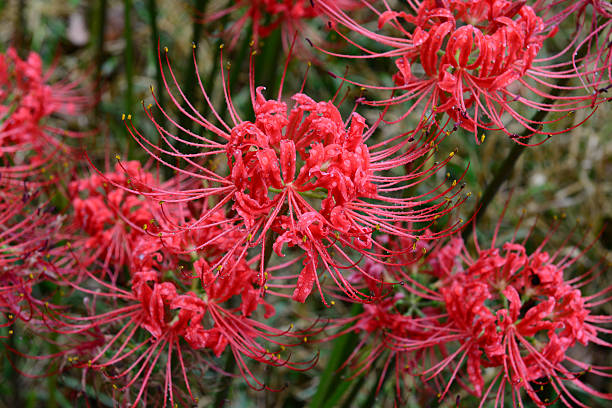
pixel 303 177
pixel 27 100
pixel 465 58
pixel 112 219
pixel 265 16
pixel 156 318
pixel 27 231
pixel 520 314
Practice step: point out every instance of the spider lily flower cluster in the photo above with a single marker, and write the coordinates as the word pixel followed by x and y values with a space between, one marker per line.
pixel 150 275
pixel 504 311
pixel 263 17
pixel 479 61
pixel 27 101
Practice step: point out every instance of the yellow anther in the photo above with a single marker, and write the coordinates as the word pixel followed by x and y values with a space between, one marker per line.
pixel 434 108
pixel 144 227
pixel 266 287
pixel 129 117
pixel 309 64
pixel 31 276
pixel 68 244
pixel 451 154
pixel 123 116
pixel 305 339
pixel 151 87
pixel 114 386
pixel 221 46
pixel 333 303
pixel 193 45
pixel 219 267
pixel 251 43
pixel 166 49
pixel 454 183
pixel 249 237
pixel 291 326
pixel 117 157
pixel 482 138
pixel 149 106
pixel 424 251
pixel 304 238
pixel 469 194
pixel 10 331
pixel 159 234
pixel 10 316
pixel 377 227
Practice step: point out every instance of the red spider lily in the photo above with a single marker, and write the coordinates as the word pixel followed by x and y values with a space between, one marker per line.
pixel 593 19
pixel 265 16
pixel 27 100
pixel 112 219
pixel 472 55
pixel 304 175
pixel 25 233
pixel 517 312
pixel 157 318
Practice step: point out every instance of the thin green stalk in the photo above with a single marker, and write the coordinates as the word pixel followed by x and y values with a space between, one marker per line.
pixel 99 24
pixel 152 9
pixel 189 74
pixel 20 31
pixel 269 63
pixel 129 56
pixel 330 380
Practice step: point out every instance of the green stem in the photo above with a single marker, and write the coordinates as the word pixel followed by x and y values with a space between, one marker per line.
pixel 99 22
pixel 129 55
pixel 331 380
pixel 189 74
pixel 20 30
pixel 152 8
pixel 269 63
